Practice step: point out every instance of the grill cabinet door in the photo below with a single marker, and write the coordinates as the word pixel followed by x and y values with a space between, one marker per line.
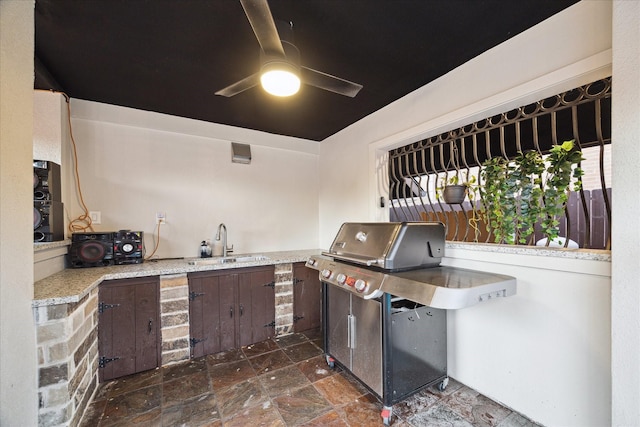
pixel 338 312
pixel 366 359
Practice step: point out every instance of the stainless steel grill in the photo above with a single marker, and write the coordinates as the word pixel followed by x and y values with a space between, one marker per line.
pixel 385 298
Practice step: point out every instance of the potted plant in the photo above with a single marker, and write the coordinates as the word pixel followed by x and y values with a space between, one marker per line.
pixel 527 190
pixel 453 191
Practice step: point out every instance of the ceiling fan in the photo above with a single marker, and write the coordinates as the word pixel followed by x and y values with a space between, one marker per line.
pixel 280 58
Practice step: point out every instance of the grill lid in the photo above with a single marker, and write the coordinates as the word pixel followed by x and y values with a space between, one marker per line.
pixel 390 246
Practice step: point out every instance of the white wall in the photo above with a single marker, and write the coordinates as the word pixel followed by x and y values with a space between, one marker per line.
pixel 568 50
pixel 544 352
pixel 18 373
pixel 50 111
pixel 133 164
pixel 626 268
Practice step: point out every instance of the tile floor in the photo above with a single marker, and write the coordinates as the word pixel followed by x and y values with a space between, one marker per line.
pixel 279 382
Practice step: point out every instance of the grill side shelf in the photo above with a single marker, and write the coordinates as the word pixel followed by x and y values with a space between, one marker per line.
pixel 442 287
pixel 449 287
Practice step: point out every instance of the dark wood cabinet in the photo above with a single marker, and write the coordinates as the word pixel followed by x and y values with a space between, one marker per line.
pixel 230 308
pixel 307 298
pixel 128 326
pixel 212 301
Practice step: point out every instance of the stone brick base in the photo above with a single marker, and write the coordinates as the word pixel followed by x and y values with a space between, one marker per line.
pixel 67 336
pixel 284 299
pixel 174 318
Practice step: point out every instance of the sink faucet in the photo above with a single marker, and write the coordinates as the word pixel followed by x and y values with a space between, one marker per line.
pixel 225 249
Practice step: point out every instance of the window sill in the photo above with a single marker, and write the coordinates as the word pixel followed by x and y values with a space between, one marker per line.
pixel 583 254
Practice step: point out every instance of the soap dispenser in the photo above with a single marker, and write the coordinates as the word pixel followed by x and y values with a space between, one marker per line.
pixel 205 249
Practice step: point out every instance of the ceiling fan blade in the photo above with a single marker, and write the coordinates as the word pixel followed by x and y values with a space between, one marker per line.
pixel 263 25
pixel 241 86
pixel 328 82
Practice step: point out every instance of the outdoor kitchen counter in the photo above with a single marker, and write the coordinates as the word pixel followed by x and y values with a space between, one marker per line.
pixel 72 284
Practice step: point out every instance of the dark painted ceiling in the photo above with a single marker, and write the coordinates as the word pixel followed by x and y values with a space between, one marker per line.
pixel 171 56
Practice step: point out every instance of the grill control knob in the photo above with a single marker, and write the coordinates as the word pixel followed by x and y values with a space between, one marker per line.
pixel 326 273
pixel 341 278
pixel 361 285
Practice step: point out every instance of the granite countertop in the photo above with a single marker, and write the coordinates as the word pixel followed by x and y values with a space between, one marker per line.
pixel 72 284
pixel 553 252
pixel 42 246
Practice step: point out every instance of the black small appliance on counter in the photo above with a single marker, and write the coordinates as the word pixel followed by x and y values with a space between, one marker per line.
pixel 93 249
pixel 127 247
pixel 101 249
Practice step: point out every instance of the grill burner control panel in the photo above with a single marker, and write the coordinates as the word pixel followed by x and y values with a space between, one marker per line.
pixel 363 282
pixel 443 287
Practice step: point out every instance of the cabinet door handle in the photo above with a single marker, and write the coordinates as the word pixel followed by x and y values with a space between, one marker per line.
pixel 150 325
pixel 241 310
pixel 231 311
pixel 351 331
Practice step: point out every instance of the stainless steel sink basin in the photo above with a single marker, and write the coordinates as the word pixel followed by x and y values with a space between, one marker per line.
pixel 228 260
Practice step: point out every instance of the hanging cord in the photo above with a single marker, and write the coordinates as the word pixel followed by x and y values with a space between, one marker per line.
pixel 157 244
pixel 474 221
pixel 82 222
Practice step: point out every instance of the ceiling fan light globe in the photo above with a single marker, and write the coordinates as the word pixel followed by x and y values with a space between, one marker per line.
pixel 280 82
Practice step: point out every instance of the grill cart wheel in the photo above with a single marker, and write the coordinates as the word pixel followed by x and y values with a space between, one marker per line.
pixel 386 415
pixel 330 361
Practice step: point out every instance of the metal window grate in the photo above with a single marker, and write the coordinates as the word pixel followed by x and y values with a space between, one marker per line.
pixel 582 114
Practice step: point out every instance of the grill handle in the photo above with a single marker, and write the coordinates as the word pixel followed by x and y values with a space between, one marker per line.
pixel 355 259
pixel 351 331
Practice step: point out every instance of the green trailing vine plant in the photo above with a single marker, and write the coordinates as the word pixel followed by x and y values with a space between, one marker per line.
pixel 497 194
pixel 529 189
pixel 528 174
pixel 560 174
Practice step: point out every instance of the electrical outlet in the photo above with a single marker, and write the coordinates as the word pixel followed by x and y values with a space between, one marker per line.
pixel 161 218
pixel 96 217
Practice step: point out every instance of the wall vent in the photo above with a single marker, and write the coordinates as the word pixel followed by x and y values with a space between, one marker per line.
pixel 240 153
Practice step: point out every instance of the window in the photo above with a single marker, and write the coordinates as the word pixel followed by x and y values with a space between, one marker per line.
pixel 416 171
